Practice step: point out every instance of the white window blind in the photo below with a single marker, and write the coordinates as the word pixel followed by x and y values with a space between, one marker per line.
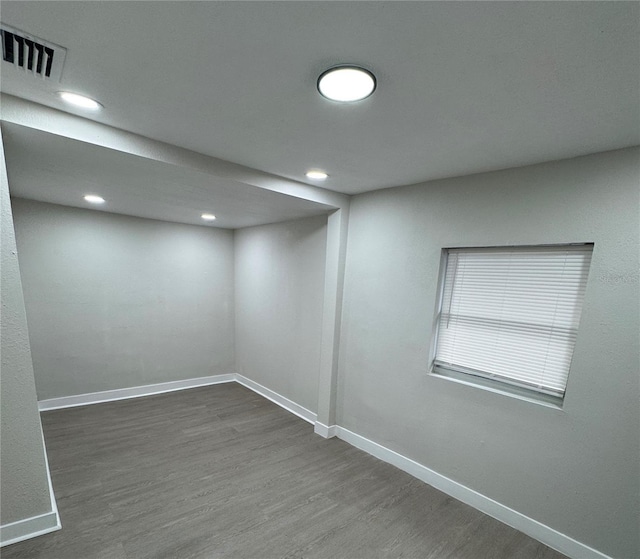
pixel 512 315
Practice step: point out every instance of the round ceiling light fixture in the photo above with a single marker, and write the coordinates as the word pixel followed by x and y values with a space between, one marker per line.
pixel 346 83
pixel 316 175
pixel 78 100
pixel 94 199
pixel 208 217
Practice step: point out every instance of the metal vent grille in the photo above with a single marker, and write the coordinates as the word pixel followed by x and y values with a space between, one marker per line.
pixel 31 54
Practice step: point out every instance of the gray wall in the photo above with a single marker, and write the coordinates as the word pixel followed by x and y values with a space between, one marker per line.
pixel 576 470
pixel 23 471
pixel 115 301
pixel 279 288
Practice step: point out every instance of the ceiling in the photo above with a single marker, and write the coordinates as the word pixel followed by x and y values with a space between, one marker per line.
pixel 52 168
pixel 463 87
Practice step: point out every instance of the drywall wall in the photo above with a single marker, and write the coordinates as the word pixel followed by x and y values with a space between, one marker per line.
pixel 23 469
pixel 279 273
pixel 575 469
pixel 115 301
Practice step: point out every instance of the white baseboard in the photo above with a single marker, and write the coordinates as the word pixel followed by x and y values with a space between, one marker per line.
pixel 548 536
pixel 34 526
pixel 52 497
pixel 133 392
pixel 29 528
pixel 325 431
pixel 276 398
pixel 160 388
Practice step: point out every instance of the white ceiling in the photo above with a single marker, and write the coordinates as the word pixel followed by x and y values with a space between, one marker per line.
pixel 463 87
pixel 60 170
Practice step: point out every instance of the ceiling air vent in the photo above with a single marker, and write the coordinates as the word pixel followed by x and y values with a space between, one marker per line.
pixel 30 54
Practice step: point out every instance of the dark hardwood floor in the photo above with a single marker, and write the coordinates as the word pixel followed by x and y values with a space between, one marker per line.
pixel 221 472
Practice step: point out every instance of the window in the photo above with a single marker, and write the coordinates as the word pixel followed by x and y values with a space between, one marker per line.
pixel 508 317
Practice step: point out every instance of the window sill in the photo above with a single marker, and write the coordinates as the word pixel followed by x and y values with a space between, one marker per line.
pixel 497 387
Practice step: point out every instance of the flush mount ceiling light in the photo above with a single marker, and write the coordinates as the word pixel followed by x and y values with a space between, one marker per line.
pixel 316 175
pixel 208 217
pixel 79 100
pixel 93 199
pixel 346 83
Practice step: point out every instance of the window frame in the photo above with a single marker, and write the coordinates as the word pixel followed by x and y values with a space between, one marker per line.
pixel 492 382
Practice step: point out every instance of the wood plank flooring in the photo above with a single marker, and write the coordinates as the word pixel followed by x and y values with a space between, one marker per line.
pixel 220 472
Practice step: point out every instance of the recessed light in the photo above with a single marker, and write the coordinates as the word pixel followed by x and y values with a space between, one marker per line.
pixel 79 100
pixel 316 175
pixel 346 83
pixel 93 199
pixel 208 217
